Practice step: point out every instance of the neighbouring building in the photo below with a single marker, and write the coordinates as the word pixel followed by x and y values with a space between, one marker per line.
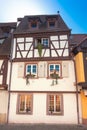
pixel 80 54
pixel 5 47
pixel 40 72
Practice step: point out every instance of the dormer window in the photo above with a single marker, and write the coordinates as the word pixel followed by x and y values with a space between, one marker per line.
pixel 34 25
pixel 52 24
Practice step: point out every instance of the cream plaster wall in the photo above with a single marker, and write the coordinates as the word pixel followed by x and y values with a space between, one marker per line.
pixel 39 110
pixel 43 84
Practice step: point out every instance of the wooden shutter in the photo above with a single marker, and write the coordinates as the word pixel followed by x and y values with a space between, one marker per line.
pixel 21 70
pixel 65 69
pixel 42 69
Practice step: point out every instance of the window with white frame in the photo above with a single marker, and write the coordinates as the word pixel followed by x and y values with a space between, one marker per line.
pixel 55 104
pixel 43 41
pixel 54 67
pixel 25 103
pixel 31 69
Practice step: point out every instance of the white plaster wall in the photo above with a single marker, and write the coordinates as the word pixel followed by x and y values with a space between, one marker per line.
pixel 14 48
pixel 3 101
pixel 43 84
pixel 8 73
pixel 80 108
pixel 39 110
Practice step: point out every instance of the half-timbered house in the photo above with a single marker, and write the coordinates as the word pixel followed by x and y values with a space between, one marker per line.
pixel 5 46
pixel 80 55
pixel 42 79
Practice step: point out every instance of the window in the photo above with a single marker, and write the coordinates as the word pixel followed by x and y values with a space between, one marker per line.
pixel 25 103
pixel 43 41
pixel 55 104
pixel 34 24
pixel 52 24
pixel 31 69
pixel 54 67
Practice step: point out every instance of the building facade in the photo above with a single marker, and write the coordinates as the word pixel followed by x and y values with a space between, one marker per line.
pixel 5 44
pixel 40 72
pixel 80 54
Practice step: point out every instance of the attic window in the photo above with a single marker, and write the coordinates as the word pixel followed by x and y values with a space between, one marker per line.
pixel 34 24
pixel 52 24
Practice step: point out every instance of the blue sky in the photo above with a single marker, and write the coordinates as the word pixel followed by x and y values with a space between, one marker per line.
pixel 74 12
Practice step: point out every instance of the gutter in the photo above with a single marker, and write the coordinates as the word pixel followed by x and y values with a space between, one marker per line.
pixel 77 92
pixel 10 79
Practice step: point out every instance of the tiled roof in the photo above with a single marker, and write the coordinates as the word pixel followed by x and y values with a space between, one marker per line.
pixel 76 39
pixel 5 47
pixel 23 27
pixel 10 24
pixel 5 37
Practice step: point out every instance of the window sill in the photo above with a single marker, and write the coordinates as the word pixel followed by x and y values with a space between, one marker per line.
pixel 55 114
pixel 24 113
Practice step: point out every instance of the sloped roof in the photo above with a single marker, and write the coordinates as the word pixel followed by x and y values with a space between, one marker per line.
pixel 23 27
pixel 10 24
pixel 5 47
pixel 6 28
pixel 78 42
pixel 76 39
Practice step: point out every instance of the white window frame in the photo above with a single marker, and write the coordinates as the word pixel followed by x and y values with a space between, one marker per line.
pixel 31 69
pixel 44 44
pixel 59 73
pixel 41 39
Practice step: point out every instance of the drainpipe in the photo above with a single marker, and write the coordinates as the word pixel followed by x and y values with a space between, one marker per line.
pixel 9 86
pixel 77 96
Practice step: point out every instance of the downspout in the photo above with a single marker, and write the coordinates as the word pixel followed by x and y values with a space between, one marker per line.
pixel 10 79
pixel 77 92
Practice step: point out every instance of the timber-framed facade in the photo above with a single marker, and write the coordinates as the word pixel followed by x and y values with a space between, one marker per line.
pixel 39 71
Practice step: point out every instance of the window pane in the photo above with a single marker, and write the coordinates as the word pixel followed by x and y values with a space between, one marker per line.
pixel 45 42
pixel 22 103
pixel 51 67
pixel 51 103
pixel 57 67
pixel 34 69
pixel 28 103
pixel 57 103
pixel 29 68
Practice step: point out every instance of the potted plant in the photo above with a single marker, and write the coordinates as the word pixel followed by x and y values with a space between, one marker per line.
pixel 39 47
pixel 29 76
pixel 55 77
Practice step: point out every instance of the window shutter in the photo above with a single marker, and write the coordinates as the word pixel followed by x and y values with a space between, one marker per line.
pixel 20 70
pixel 65 69
pixel 42 69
